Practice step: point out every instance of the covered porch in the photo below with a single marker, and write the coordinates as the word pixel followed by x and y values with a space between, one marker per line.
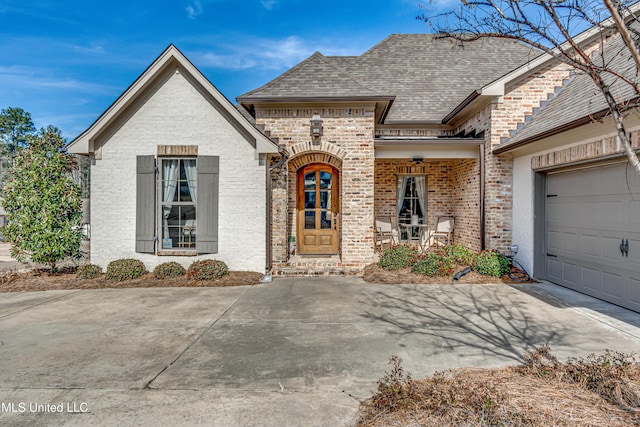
pixel 419 181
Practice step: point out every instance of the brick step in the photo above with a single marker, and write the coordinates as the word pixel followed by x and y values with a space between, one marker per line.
pixel 310 266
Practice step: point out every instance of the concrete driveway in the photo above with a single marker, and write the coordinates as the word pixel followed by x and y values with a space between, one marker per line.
pixel 295 352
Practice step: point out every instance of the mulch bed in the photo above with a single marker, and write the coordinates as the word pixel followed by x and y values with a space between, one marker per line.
pixel 375 274
pixel 11 281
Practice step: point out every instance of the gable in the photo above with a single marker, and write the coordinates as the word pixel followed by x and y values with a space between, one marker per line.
pixel 170 62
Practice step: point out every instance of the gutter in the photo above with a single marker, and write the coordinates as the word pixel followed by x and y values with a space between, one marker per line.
pixel 283 158
pixel 468 100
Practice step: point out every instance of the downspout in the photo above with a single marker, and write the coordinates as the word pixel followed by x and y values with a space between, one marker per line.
pixel 283 158
pixel 482 193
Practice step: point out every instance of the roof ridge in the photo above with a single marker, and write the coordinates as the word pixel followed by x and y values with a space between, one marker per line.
pixel 281 76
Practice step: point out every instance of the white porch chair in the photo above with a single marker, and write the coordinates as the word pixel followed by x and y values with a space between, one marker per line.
pixel 385 234
pixel 443 231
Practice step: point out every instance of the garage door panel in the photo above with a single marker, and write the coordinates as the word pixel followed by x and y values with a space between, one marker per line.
pixel 569 273
pixel 614 287
pixel 588 213
pixel 591 279
pixel 591 246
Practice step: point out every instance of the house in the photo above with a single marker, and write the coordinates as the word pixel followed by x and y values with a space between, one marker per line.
pixel 177 173
pixel 416 128
pixel 408 130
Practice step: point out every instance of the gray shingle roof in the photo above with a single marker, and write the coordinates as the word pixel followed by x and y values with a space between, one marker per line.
pixel 581 100
pixel 429 77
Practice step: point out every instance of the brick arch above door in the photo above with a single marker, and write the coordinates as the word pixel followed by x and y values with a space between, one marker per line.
pixel 304 153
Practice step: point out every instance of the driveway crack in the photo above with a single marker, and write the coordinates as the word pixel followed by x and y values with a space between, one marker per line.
pixel 228 309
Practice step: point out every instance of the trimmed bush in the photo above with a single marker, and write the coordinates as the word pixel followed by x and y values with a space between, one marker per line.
pixel 125 269
pixel 89 271
pixel 433 264
pixel 398 256
pixel 460 254
pixel 168 269
pixel 207 269
pixel 491 264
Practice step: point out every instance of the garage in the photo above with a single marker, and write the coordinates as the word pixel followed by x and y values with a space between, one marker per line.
pixel 592 232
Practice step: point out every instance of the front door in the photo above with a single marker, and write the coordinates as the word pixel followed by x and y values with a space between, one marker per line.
pixel 318 210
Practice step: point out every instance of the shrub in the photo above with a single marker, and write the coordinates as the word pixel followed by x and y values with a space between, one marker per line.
pixel 125 269
pixel 491 264
pixel 460 254
pixel 207 269
pixel 89 271
pixel 398 256
pixel 433 264
pixel 168 269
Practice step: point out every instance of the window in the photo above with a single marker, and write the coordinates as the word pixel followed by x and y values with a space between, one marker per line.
pixel 178 203
pixel 181 216
pixel 412 202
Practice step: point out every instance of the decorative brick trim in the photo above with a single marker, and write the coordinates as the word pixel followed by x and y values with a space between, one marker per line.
pixel 304 153
pixel 177 150
pixel 589 151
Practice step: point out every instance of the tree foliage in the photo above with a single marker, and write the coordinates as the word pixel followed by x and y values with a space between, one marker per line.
pixel 43 204
pixel 559 28
pixel 16 127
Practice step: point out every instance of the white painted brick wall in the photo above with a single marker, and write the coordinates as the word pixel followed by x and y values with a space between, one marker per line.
pixel 177 114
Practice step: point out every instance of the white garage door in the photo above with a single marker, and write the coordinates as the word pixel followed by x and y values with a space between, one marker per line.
pixel 593 232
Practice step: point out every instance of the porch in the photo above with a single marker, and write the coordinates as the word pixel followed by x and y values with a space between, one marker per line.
pixel 421 191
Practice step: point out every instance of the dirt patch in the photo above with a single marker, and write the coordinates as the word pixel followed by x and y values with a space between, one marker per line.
pixel 11 281
pixel 373 273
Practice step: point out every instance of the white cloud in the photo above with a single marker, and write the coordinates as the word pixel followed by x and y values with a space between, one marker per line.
pixel 268 54
pixel 268 4
pixel 37 78
pixel 194 9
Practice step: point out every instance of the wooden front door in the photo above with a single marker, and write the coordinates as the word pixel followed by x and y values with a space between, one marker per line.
pixel 318 210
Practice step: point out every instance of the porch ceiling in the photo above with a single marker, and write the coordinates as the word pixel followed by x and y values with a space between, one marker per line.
pixel 434 148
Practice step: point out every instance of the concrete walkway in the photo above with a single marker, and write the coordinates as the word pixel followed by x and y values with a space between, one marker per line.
pixel 295 352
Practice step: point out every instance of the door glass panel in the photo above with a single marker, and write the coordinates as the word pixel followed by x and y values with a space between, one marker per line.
pixel 325 180
pixel 325 220
pixel 325 199
pixel 309 199
pixel 310 181
pixel 310 220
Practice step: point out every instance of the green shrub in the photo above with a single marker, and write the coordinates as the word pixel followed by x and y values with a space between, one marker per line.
pixel 491 264
pixel 89 271
pixel 168 269
pixel 460 254
pixel 433 264
pixel 398 256
pixel 125 269
pixel 207 269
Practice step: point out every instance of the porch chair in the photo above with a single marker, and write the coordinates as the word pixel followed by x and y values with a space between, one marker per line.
pixel 385 233
pixel 444 230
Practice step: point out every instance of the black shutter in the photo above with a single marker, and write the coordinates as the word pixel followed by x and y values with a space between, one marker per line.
pixel 145 204
pixel 207 205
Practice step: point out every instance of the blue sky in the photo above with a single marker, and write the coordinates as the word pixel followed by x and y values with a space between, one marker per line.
pixel 66 61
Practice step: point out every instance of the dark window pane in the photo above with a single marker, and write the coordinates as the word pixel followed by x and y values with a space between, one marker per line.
pixel 309 199
pixel 310 181
pixel 325 180
pixel 325 220
pixel 325 196
pixel 310 220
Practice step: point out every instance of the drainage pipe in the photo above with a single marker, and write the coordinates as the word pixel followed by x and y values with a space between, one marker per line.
pixel 459 274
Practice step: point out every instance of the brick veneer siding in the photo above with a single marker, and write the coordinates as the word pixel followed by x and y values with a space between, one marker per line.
pixel 176 113
pixel 453 188
pixel 352 130
pixel 496 121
